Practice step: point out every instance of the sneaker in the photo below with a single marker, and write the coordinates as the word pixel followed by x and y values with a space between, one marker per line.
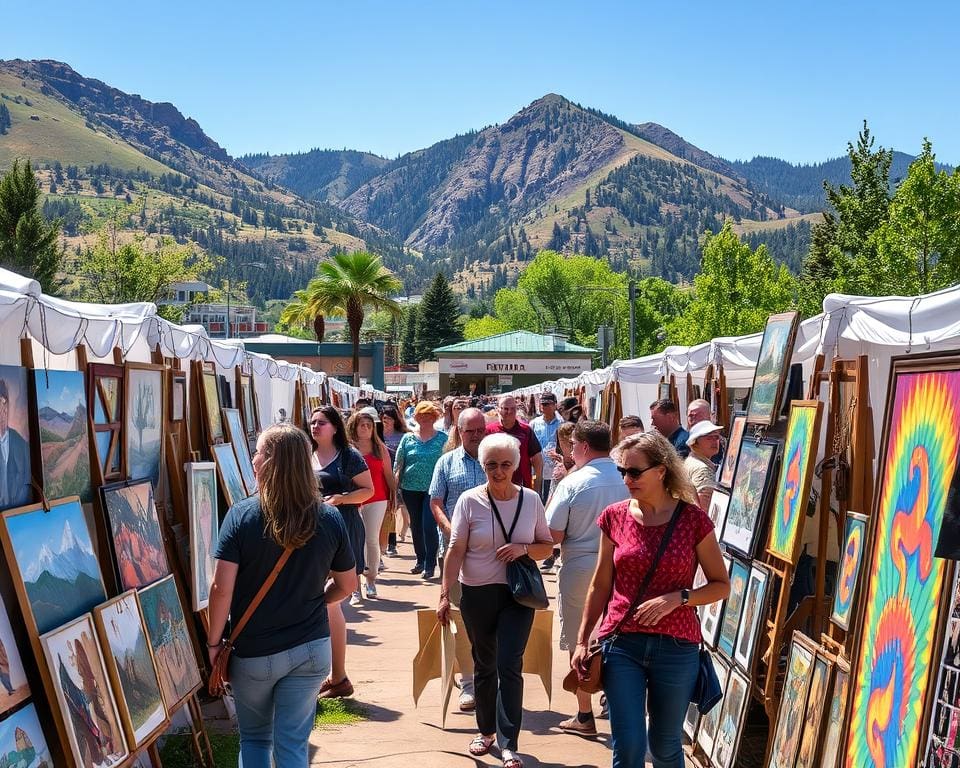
pixel 427 575
pixel 547 564
pixel 355 600
pixel 604 711
pixel 371 591
pixel 417 569
pixel 381 568
pixel 332 690
pixel 390 551
pixel 467 702
pixel 573 725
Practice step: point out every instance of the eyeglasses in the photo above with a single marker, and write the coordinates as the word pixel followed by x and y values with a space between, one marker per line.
pixel 633 473
pixel 318 424
pixel 491 466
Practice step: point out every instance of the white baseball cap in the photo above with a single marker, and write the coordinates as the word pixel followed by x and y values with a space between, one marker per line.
pixel 371 412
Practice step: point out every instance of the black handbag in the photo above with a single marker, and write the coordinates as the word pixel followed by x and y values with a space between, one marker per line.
pixel 523 575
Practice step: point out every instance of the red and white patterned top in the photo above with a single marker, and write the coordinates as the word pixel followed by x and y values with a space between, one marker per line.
pixel 635 546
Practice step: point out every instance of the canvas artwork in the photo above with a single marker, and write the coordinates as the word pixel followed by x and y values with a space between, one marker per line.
pixel 144 422
pixel 211 398
pixel 204 528
pixel 51 553
pixel 796 475
pixel 847 577
pixel 236 436
pixel 904 581
pixel 135 528
pixel 786 737
pixel 13 680
pixel 717 512
pixel 15 462
pixel 836 714
pixel 62 421
pixel 729 464
pixel 172 651
pixel 230 479
pixel 748 497
pixel 710 614
pixel 709 723
pixel 178 399
pixel 739 573
pixel 130 665
pixel 22 744
pixel 84 695
pixel 754 612
pixel 733 712
pixel 816 701
pixel 251 416
pixel 772 366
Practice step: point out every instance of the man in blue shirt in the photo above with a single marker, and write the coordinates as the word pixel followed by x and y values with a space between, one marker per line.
pixel 545 428
pixel 666 420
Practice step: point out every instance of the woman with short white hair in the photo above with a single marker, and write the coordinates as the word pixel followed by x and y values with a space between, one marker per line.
pixel 498 626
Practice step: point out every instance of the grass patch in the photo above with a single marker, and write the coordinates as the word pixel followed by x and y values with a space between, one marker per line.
pixel 177 751
pixel 337 712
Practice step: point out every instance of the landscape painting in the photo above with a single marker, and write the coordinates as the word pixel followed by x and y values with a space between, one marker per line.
pixel 231 417
pixel 211 401
pixel 84 696
pixel 62 424
pixel 15 461
pixel 773 363
pixel 22 744
pixel 172 650
pixel 135 531
pixel 749 495
pixel 230 479
pixel 130 665
pixel 143 418
pixel 204 528
pixel 13 680
pixel 51 554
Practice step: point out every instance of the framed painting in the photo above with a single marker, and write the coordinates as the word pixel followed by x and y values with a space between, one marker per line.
pixel 130 666
pixel 773 364
pixel 249 404
pixel 138 549
pixel 105 404
pixel 728 466
pixel 836 714
pixel 54 569
pixel 944 727
pixel 230 479
pixel 796 475
pixel 15 462
pixel 211 405
pixel 236 436
pixel 13 680
pixel 143 420
pixel 61 422
pixel 917 472
pixel 204 528
pixel 172 650
pixel 786 737
pixel 711 614
pixel 733 713
pixel 664 390
pixel 178 396
pixel 854 540
pixel 733 611
pixel 748 498
pixel 22 742
pixel 816 702
pixel 707 732
pixel 717 511
pixel 754 617
pixel 83 692
pixel 690 722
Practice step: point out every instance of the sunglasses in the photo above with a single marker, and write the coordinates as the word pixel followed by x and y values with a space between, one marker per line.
pixel 633 473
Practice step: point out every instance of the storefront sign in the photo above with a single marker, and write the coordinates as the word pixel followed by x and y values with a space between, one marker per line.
pixel 505 381
pixel 498 365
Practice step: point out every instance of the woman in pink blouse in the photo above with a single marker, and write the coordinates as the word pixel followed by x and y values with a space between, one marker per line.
pixel 651 666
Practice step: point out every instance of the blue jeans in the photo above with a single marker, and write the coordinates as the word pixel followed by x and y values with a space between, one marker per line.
pixel 426 537
pixel 645 674
pixel 276 698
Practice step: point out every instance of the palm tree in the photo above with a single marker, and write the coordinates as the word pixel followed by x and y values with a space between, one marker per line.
pixel 349 284
pixel 299 313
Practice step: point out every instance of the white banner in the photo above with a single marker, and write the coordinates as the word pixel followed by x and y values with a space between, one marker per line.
pixel 497 365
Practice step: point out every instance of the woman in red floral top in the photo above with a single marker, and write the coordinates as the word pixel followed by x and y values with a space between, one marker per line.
pixel 651 667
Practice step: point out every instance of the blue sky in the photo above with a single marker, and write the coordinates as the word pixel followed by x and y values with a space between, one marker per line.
pixel 736 78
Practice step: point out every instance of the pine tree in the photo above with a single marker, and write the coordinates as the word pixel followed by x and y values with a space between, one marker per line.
pixel 4 119
pixel 438 321
pixel 408 342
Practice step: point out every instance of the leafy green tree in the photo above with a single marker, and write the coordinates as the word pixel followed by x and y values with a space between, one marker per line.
pixel 658 304
pixel 481 327
pixel 28 244
pixel 438 318
pixel 735 291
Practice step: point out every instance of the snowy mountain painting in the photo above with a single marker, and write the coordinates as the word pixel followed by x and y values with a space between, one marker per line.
pixel 55 559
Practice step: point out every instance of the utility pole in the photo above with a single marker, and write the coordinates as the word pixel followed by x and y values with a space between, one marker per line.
pixel 633 318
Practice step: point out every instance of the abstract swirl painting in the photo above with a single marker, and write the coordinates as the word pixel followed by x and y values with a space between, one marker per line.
pixel 905 581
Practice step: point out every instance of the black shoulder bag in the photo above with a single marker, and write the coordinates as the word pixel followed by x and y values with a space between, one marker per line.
pixel 523 575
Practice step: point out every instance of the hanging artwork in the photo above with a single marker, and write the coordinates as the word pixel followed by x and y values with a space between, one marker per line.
pixel 904 581
pixel 230 479
pixel 51 558
pixel 104 389
pixel 211 401
pixel 796 475
pixel 733 713
pixel 816 701
pixel 204 528
pixel 707 731
pixel 178 396
pixel 772 366
pixel 754 615
pixel 847 577
pixel 22 744
pixel 732 612
pixel 84 695
pixel 248 403
pixel 729 464
pixel 236 436
pixel 786 737
pixel 137 542
pixel 717 511
pixel 130 665
pixel 15 488
pixel 172 651
pixel 943 741
pixel 143 420
pixel 836 714
pixel 748 498
pixel 62 428
pixel 710 614
pixel 13 680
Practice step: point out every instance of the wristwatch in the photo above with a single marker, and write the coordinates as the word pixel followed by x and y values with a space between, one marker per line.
pixel 684 596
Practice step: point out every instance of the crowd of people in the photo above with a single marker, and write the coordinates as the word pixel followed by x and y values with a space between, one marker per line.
pixel 476 484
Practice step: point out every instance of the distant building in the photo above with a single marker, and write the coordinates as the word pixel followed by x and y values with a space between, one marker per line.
pixel 333 358
pixel 213 316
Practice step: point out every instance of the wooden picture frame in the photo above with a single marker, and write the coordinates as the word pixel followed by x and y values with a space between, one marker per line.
pixel 249 405
pixel 62 426
pixel 848 573
pixel 15 688
pixel 210 406
pixel 754 616
pixel 17 491
pixel 728 467
pixel 836 715
pixel 773 365
pixel 23 728
pixel 105 392
pixel 733 609
pixel 733 715
pixel 231 481
pixel 204 528
pixel 796 477
pixel 144 417
pixel 707 730
pixel 749 496
pixel 786 736
pixel 235 435
pixel 132 671
pixel 75 663
pixel 136 537
pixel 813 712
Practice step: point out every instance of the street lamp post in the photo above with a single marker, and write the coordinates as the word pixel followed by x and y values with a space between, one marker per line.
pixel 255 265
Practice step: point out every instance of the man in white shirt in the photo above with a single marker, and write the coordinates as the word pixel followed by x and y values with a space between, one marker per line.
pixel 545 428
pixel 572 516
